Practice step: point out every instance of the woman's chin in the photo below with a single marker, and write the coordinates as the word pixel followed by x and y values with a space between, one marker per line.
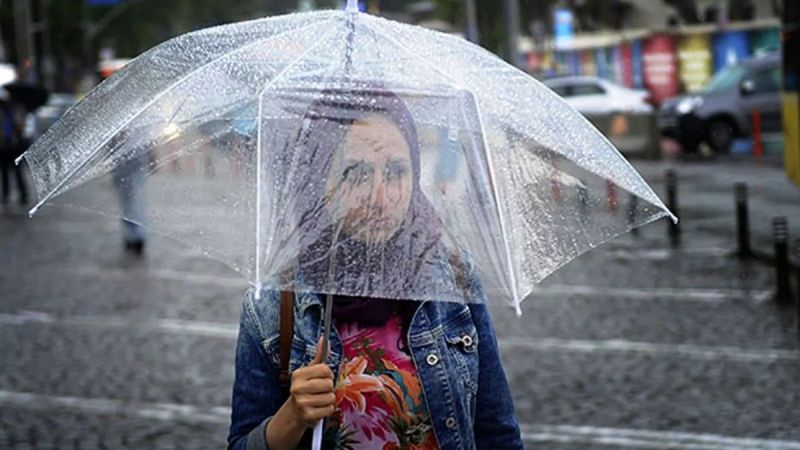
pixel 375 236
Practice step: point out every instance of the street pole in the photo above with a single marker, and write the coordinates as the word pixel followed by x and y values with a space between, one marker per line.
pixel 22 30
pixel 511 22
pixel 3 54
pixel 472 21
pixel 48 64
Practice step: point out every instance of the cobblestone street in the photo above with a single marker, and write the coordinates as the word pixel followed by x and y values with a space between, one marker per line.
pixel 634 345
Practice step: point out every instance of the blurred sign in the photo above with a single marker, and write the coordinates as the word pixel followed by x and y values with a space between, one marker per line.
pixel 790 95
pixel 588 67
pixel 730 48
pixel 638 64
pixel 660 67
pixel 563 28
pixel 694 53
pixel 616 63
pixel 765 41
pixel 604 63
pixel 626 64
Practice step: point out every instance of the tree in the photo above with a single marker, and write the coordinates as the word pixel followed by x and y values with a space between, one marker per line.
pixel 77 31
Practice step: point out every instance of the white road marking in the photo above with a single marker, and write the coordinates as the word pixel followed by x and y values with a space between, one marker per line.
pixel 531 433
pixel 704 295
pixel 621 437
pixel 160 274
pixel 663 254
pixel 230 331
pixel 165 412
pixel 657 349
pixel 174 326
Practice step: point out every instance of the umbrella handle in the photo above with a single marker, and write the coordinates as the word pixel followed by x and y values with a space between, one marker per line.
pixel 316 442
pixel 352 6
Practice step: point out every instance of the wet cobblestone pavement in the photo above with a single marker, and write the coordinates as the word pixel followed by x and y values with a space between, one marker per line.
pixel 633 345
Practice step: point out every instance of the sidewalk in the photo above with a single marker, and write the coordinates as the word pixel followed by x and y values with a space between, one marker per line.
pixel 633 345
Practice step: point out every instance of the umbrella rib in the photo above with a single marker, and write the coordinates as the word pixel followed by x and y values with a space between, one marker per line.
pixel 155 99
pixel 498 207
pixel 269 84
pixel 424 61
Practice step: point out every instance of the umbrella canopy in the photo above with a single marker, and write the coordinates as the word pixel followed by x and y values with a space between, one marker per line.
pixel 474 164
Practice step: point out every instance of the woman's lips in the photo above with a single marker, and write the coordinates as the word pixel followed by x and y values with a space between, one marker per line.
pixel 381 222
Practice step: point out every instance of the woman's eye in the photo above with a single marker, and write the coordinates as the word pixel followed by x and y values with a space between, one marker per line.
pixel 362 177
pixel 357 175
pixel 394 173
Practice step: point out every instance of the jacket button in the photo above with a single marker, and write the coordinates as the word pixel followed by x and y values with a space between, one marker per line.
pixel 432 359
pixel 450 423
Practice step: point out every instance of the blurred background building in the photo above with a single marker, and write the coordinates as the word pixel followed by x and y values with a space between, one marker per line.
pixel 650 53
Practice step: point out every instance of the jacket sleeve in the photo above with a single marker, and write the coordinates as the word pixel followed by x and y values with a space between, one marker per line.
pixel 257 395
pixel 495 421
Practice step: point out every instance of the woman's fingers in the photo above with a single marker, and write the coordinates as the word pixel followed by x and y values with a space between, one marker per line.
pixel 311 387
pixel 318 386
pixel 312 372
pixel 311 390
pixel 317 400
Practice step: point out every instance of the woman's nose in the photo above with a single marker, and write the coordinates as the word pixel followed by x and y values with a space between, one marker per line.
pixel 379 197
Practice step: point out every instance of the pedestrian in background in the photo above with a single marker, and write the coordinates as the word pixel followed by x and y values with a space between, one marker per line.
pixel 12 144
pixel 129 183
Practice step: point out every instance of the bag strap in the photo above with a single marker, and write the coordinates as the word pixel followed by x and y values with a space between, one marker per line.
pixel 286 333
pixel 461 273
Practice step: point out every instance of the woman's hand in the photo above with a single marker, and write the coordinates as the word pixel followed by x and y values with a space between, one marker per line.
pixel 310 399
pixel 311 393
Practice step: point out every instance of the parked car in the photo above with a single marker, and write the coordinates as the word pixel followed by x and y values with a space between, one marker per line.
pixel 723 109
pixel 596 96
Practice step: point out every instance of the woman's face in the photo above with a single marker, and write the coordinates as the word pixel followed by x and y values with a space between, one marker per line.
pixel 370 184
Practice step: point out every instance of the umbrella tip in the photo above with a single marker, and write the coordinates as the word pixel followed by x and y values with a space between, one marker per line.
pixel 33 211
pixel 352 6
pixel 518 310
pixel 19 159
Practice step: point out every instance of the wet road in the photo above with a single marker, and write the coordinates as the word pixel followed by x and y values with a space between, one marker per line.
pixel 634 345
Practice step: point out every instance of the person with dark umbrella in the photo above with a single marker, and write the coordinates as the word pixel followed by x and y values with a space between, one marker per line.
pixel 11 146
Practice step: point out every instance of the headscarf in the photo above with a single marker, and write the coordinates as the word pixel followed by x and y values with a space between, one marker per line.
pixel 398 268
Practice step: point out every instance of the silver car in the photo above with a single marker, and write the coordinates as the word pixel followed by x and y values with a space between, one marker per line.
pixel 596 96
pixel 723 110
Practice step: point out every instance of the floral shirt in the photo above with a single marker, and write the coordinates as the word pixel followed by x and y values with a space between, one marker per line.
pixel 379 399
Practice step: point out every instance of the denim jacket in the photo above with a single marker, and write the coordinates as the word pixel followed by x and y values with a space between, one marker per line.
pixel 453 346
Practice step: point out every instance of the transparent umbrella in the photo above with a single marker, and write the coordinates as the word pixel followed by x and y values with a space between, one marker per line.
pixel 372 158
pixel 510 177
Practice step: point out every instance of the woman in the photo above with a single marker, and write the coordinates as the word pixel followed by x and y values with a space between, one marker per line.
pixel 400 374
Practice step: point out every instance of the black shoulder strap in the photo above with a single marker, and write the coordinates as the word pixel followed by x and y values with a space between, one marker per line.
pixel 286 332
